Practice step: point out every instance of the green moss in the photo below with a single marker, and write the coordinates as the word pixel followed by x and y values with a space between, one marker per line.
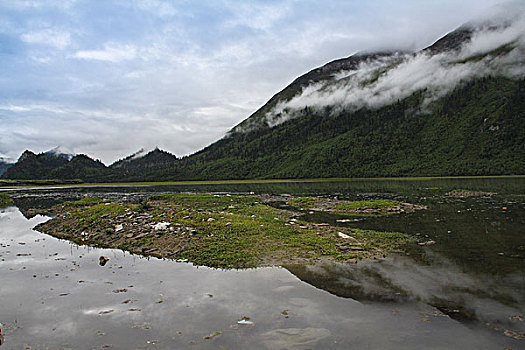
pixel 373 204
pixel 303 202
pixel 5 200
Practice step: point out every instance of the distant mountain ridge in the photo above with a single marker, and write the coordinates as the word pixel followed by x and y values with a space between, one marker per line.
pixel 60 165
pixel 59 151
pixel 456 107
pixel 156 158
pixel 4 165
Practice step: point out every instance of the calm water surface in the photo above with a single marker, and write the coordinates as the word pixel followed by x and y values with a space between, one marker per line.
pixel 465 292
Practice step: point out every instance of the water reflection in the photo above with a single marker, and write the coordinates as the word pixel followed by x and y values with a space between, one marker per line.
pixel 496 302
pixel 56 295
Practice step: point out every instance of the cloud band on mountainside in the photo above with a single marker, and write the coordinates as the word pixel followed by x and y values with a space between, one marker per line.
pixel 379 82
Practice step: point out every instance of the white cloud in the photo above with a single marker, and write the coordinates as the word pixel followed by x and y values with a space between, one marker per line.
pixel 259 16
pixel 52 37
pixel 110 53
pixel 377 82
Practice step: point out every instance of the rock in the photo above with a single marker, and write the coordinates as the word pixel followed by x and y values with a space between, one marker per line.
pixel 102 260
pixel 213 335
pixel 342 235
pixel 118 227
pixel 513 334
pixel 142 235
pixel 245 321
pixel 122 290
pixel 161 226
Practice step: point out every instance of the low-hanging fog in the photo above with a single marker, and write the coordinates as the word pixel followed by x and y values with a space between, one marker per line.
pixel 380 81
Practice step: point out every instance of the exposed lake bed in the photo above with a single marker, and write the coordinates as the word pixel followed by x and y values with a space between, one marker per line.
pixel 465 291
pixel 227 231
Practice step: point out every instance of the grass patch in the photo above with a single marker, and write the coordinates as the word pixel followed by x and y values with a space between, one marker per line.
pixel 369 204
pixel 303 202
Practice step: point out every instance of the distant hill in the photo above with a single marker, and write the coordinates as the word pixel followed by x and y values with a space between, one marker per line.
pixel 79 167
pixel 60 151
pixel 153 159
pixel 33 166
pixel 56 165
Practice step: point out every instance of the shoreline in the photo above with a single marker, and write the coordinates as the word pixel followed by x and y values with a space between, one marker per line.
pixel 10 185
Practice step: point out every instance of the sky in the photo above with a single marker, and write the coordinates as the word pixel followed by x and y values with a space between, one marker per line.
pixel 106 78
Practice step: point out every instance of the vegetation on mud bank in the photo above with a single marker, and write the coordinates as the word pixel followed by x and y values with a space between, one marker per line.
pixel 374 207
pixel 222 231
pixel 6 183
pixel 5 200
pixel 468 193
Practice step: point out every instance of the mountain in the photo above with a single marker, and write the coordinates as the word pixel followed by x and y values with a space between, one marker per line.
pixel 456 107
pixel 34 166
pixel 79 167
pixel 153 159
pixel 140 166
pixel 60 151
pixel 320 75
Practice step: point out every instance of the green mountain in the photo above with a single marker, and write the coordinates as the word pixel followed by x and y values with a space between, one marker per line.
pixel 79 167
pixel 141 160
pixel 33 166
pixel 477 129
pixel 57 165
pixel 454 108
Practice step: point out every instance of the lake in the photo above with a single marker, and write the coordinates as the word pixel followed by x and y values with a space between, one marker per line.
pixel 466 291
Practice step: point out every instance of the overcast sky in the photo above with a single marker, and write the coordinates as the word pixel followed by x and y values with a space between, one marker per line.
pixel 107 78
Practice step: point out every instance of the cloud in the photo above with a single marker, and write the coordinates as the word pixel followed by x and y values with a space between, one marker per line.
pixel 110 53
pixel 257 16
pixel 380 81
pixel 52 37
